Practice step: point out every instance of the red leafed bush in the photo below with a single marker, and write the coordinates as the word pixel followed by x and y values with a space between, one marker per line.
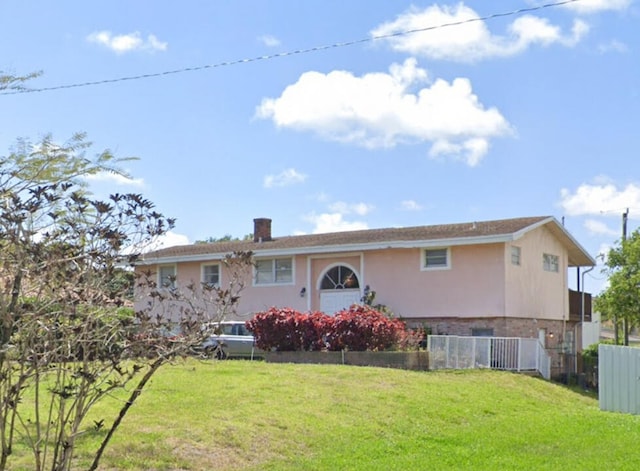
pixel 413 339
pixel 358 328
pixel 285 329
pixel 361 328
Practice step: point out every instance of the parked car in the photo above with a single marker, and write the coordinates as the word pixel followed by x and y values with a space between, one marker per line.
pixel 231 339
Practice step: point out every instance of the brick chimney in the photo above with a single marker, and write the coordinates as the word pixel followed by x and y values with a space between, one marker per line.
pixel 261 230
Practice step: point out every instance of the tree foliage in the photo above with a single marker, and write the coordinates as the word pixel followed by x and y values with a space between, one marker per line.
pixel 224 238
pixel 47 161
pixel 68 337
pixel 621 299
pixel 15 82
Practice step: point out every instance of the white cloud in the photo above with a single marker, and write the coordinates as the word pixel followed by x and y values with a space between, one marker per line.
pixel 122 43
pixel 288 177
pixel 410 205
pixel 168 239
pixel 378 110
pixel 596 6
pixel 115 179
pixel 321 197
pixel 599 228
pixel 269 41
pixel 361 209
pixel 473 150
pixel 333 222
pixel 173 238
pixel 613 46
pixel 155 44
pixel 470 41
pixel 600 198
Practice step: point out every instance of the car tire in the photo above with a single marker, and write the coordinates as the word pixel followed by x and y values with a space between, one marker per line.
pixel 221 354
pixel 208 352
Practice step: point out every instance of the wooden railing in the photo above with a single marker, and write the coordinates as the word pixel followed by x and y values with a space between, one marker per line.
pixel 575 306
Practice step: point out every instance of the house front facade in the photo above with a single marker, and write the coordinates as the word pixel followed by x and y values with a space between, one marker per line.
pixel 502 278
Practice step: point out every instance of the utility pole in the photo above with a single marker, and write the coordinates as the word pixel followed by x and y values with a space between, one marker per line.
pixel 625 321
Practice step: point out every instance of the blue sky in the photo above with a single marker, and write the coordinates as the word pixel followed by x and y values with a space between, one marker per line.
pixel 534 113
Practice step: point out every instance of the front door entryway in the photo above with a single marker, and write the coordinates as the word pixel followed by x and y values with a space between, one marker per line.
pixel 339 289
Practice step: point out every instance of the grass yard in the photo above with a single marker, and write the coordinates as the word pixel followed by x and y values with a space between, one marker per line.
pixel 240 415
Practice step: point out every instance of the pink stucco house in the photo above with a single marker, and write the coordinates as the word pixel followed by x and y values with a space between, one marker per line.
pixel 502 278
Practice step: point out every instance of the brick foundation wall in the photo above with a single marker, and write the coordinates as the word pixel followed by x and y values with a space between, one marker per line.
pixel 506 327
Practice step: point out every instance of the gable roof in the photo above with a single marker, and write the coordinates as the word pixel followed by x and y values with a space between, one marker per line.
pixel 482 232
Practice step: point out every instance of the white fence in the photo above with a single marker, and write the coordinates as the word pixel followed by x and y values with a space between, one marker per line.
pixel 591 330
pixel 500 353
pixel 619 378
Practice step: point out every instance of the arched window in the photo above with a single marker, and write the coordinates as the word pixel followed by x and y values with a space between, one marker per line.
pixel 340 277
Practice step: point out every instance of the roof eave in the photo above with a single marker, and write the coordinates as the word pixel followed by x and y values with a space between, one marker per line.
pixel 578 255
pixel 326 249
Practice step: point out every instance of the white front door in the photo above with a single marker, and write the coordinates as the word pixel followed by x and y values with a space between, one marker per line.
pixel 336 300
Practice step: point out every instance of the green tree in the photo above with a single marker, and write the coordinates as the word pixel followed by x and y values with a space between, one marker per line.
pixel 621 300
pixel 47 161
pixel 65 340
pixel 225 238
pixel 35 179
pixel 213 240
pixel 15 82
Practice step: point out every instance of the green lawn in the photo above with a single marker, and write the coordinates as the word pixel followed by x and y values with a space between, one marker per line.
pixel 258 416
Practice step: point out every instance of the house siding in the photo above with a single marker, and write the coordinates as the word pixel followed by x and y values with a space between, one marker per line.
pixel 476 274
pixel 531 292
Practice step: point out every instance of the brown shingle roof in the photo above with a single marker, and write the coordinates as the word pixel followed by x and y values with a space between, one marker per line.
pixel 355 238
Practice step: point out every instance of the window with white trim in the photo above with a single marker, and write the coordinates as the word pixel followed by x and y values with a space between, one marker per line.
pixel 339 277
pixel 550 262
pixel 274 271
pixel 435 259
pixel 211 274
pixel 167 276
pixel 515 255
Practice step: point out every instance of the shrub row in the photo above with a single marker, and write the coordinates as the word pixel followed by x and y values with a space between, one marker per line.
pixel 358 328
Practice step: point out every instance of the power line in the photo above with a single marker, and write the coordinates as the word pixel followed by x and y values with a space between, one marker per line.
pixel 290 53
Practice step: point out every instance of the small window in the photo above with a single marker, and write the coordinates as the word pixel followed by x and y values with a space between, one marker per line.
pixel 515 255
pixel 481 332
pixel 167 276
pixel 274 271
pixel 550 262
pixel 211 275
pixel 436 259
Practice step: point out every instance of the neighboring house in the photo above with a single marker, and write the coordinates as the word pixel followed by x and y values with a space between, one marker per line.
pixel 501 278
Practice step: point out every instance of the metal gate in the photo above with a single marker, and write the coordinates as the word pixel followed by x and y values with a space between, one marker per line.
pixel 500 353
